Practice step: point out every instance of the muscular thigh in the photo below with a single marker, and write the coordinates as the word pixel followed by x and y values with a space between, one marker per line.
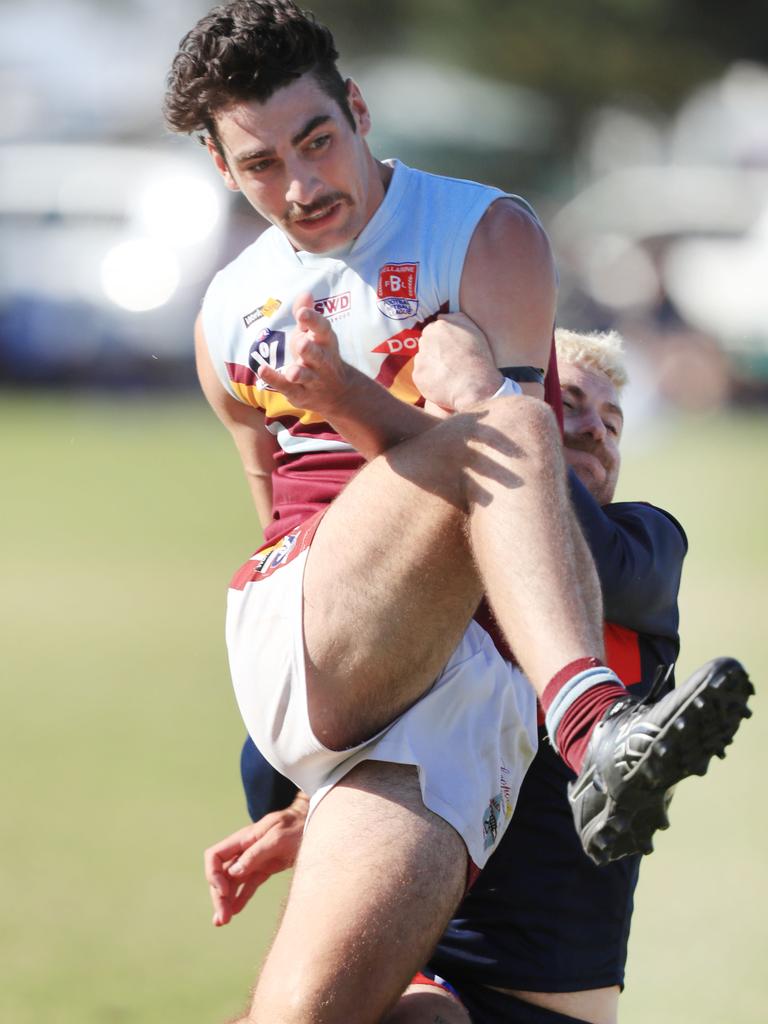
pixel 389 588
pixel 377 879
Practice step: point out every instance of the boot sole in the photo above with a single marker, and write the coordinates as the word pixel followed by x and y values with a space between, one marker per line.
pixel 703 726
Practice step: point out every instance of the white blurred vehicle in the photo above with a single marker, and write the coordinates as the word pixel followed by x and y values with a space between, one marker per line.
pixel 104 249
pixel 681 211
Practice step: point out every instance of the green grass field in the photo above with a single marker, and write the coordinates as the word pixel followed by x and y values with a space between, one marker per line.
pixel 121 524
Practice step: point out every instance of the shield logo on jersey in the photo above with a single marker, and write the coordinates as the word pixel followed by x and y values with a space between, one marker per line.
pixel 396 292
pixel 267 350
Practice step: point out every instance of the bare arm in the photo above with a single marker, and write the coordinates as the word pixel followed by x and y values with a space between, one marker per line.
pixel 508 287
pixel 255 445
pixel 508 306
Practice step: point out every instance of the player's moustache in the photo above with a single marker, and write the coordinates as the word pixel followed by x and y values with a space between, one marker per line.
pixel 582 443
pixel 298 212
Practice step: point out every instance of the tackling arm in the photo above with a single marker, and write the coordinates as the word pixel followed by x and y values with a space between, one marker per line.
pixel 638 551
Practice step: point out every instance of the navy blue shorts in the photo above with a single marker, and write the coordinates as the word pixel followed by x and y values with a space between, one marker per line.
pixel 542 917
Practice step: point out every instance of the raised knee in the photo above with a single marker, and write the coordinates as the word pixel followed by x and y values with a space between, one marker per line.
pixel 523 413
pixel 291 1003
pixel 297 997
pixel 529 422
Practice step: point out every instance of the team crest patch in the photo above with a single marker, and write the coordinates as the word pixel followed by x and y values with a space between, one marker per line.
pixel 396 292
pixel 270 306
pixel 267 350
pixel 334 305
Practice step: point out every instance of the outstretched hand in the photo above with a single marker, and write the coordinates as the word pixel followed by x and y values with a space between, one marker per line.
pixel 317 379
pixel 236 866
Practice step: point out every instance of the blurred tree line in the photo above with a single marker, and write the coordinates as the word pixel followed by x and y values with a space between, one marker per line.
pixel 578 53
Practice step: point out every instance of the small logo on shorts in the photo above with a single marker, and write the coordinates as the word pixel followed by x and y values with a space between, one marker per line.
pixel 499 810
pixel 396 292
pixel 270 306
pixel 278 554
pixel 491 822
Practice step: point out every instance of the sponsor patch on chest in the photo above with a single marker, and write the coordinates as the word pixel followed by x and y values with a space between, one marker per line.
pixel 270 306
pixel 334 306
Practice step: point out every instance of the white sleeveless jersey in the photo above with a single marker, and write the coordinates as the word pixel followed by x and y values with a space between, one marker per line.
pixel 403 269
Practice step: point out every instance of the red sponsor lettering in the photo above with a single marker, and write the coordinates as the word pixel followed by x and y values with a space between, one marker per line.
pixel 397 281
pixel 405 341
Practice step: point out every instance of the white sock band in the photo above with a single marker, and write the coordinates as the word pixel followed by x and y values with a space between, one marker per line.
pixel 570 693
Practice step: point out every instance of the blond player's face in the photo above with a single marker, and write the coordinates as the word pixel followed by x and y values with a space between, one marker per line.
pixel 593 423
pixel 299 163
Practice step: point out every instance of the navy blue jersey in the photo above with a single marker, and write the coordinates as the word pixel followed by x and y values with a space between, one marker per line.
pixel 542 917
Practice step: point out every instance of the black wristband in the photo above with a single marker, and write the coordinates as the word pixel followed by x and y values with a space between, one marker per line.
pixel 523 374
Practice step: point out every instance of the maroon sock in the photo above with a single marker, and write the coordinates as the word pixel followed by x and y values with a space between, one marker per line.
pixel 574 701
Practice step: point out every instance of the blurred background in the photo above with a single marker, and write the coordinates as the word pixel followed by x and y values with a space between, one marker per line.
pixel 639 130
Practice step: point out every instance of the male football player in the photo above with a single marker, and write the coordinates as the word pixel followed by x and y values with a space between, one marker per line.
pixel 360 606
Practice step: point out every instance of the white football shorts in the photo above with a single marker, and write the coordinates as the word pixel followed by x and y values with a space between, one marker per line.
pixel 472 736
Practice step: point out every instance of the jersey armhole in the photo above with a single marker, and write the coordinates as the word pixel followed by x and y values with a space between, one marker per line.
pixel 463 237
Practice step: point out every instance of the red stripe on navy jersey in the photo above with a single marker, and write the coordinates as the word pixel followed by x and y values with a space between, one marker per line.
pixel 622 653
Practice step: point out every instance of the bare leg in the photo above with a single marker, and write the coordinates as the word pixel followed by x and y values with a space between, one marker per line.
pixel 377 880
pixel 422 1004
pixel 477 504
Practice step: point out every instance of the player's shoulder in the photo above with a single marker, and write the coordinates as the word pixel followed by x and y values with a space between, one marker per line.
pixel 425 188
pixel 503 207
pixel 654 519
pixel 512 222
pixel 509 237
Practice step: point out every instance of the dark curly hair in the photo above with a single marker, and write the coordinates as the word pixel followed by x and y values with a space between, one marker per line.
pixel 246 50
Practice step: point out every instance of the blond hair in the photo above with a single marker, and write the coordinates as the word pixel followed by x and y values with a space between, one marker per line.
pixel 596 350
